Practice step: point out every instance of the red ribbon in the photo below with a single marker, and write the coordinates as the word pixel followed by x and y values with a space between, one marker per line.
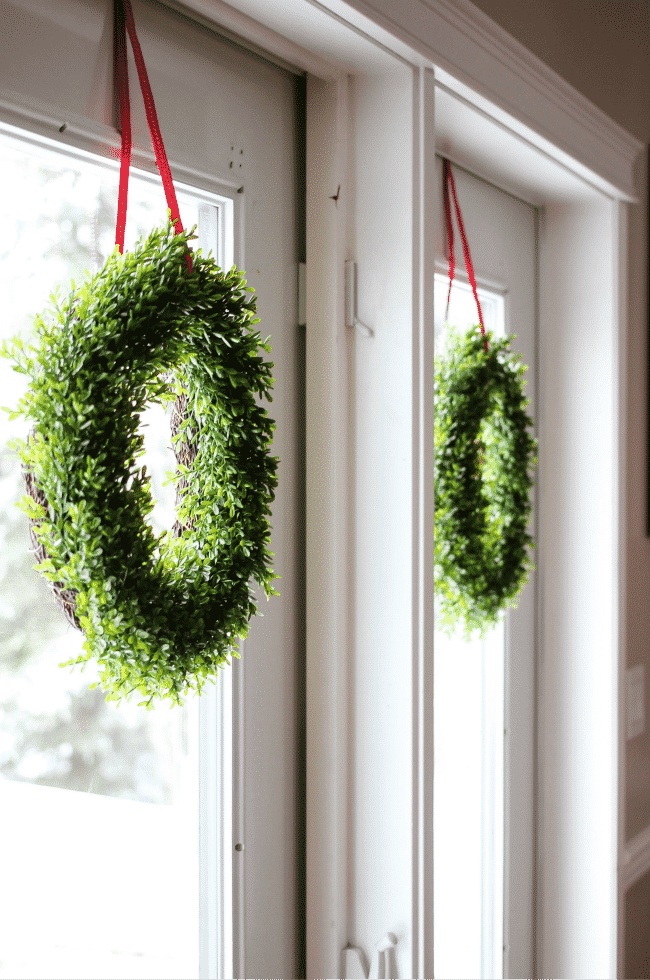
pixel 124 22
pixel 447 179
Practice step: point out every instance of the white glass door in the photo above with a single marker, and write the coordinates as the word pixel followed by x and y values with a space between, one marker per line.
pixel 484 690
pixel 216 890
pixel 100 803
pixel 468 759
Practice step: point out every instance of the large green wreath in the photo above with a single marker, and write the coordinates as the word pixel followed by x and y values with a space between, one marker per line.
pixel 483 457
pixel 159 614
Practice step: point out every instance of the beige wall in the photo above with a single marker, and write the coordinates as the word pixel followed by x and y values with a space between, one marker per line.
pixel 602 48
pixel 637 916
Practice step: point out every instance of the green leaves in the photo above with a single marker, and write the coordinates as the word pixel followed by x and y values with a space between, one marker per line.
pixel 483 454
pixel 160 615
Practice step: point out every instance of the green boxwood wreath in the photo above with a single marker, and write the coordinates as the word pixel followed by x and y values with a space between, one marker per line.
pixel 159 614
pixel 483 457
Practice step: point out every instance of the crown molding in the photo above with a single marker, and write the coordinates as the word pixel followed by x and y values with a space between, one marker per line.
pixel 481 62
pixel 470 54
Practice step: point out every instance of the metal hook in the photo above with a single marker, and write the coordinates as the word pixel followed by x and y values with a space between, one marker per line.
pixel 351 319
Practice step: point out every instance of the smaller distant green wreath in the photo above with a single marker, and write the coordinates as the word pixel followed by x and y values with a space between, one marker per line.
pixel 483 457
pixel 160 614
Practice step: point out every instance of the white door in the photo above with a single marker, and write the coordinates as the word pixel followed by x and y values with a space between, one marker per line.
pixel 484 692
pixel 174 850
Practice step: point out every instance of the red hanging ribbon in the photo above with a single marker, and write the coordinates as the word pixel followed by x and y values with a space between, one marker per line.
pixel 447 179
pixel 124 22
pixel 121 83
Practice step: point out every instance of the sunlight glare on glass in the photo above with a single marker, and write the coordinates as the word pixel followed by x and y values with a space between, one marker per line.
pixel 468 756
pixel 462 308
pixel 92 793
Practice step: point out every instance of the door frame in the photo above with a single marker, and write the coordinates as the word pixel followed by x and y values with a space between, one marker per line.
pixel 585 163
pixel 574 884
pixel 576 887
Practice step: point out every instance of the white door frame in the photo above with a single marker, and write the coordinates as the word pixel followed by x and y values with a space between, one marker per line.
pixel 577 163
pixel 372 65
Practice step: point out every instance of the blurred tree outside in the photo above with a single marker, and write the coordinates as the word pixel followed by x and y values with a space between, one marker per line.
pixel 58 220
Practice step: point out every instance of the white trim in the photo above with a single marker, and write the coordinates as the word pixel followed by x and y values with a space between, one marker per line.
pixel 39 124
pixel 619 638
pixel 538 647
pixel 327 526
pixel 535 196
pixel 424 208
pixel 238 790
pixel 215 829
pixel 480 61
pixel 579 449
pixel 472 56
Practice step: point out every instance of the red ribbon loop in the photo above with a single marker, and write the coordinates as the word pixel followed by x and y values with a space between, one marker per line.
pixel 124 23
pixel 447 179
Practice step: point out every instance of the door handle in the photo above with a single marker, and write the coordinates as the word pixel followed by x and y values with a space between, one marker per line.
pixel 380 966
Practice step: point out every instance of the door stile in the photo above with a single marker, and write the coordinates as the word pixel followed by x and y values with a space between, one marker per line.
pixel 425 225
pixel 327 528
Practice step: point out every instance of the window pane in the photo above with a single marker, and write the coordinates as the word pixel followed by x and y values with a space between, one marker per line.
pixel 99 851
pixel 468 751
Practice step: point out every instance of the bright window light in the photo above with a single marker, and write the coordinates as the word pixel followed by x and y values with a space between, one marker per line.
pixel 100 803
pixel 468 751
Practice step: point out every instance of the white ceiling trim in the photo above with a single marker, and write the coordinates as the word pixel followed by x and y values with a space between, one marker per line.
pixel 471 55
pixel 480 61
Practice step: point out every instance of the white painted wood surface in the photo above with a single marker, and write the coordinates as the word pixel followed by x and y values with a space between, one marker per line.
pixel 327 529
pixel 579 491
pixel 211 96
pixel 571 950
pixel 472 55
pixel 369 677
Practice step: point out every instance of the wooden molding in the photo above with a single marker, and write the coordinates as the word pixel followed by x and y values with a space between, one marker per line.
pixel 479 60
pixel 471 55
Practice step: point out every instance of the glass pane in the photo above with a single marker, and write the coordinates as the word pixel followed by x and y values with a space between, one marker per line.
pixel 99 850
pixel 468 752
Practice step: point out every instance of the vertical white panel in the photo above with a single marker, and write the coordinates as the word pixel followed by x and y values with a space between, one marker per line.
pixel 327 532
pixel 578 521
pixel 215 829
pixel 370 866
pixel 424 229
pixel 382 761
pixel 620 321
